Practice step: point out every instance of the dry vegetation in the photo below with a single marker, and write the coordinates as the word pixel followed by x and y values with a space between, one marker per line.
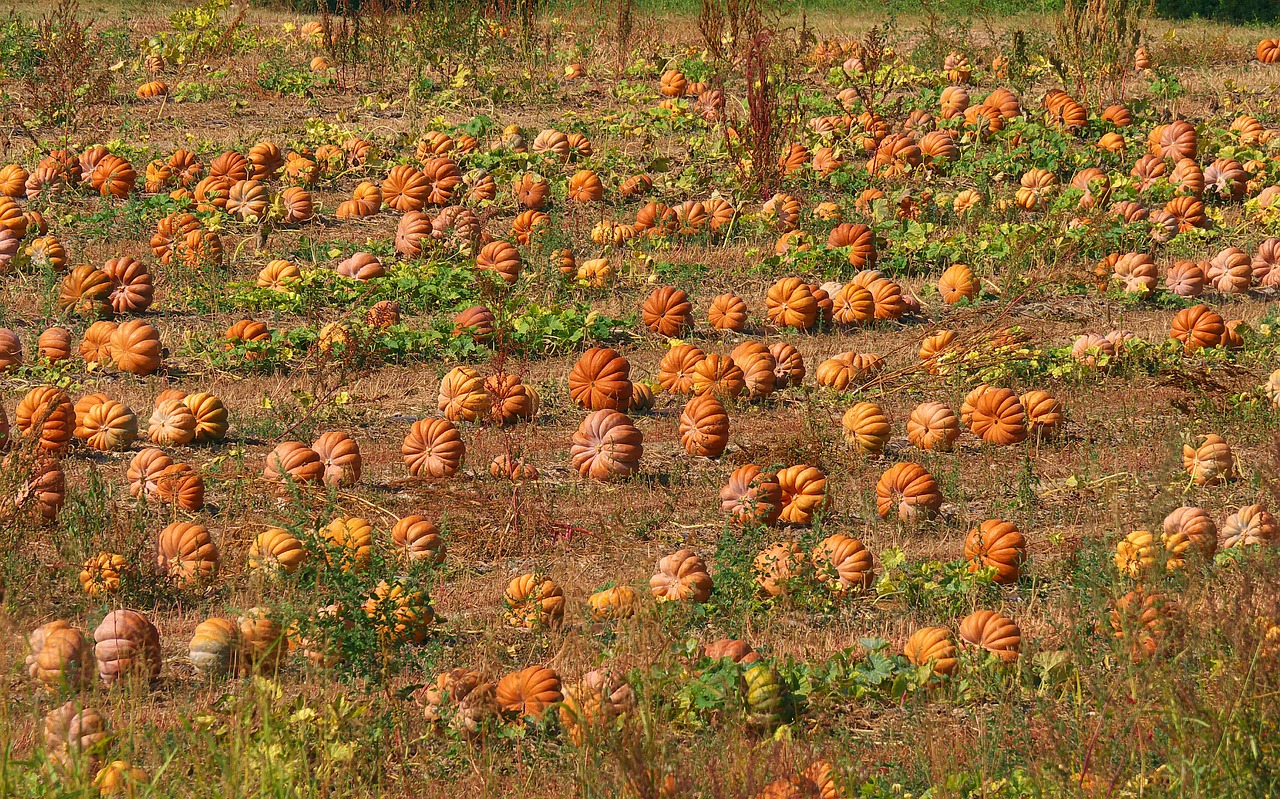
pixel 955 221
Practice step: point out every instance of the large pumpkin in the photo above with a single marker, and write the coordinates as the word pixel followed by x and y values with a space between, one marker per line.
pixel 843 564
pixel 704 427
pixel 675 370
pixel 606 446
pixel 752 496
pixel 933 426
pixel 910 491
pixel 600 380
pixel 294 462
pixel 532 600
pixel 529 692
pixel 186 554
pixel 998 545
pixel 804 493
pixel 433 448
pixel 932 646
pixel 126 643
pixel 994 632
pixel 866 428
pixel 681 576
pixel 667 312
pixel 999 418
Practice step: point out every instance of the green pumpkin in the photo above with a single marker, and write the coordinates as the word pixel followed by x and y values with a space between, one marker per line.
pixel 214 646
pixel 768 704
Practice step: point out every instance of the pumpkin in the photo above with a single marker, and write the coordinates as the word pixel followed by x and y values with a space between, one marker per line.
pixel 790 303
pixel 46 414
pixel 996 544
pixel 109 427
pixel 1209 461
pixel 501 258
pixel 1226 179
pixel 675 371
pixel 932 646
pixel 768 703
pixel 1185 278
pixel 1188 531
pixel 843 564
pixel 733 649
pixel 910 491
pixel 279 275
pixel 777 566
pixel 462 395
pixel 789 369
pixel 135 347
pixel 399 612
pixel 529 225
pixel 180 485
pixel 528 692
pixel 866 428
pixel 1230 271
pixel 433 448
pixel 293 462
pixel 533 601
pixel 858 241
pixel 186 554
pixel 953 101
pixel 510 400
pixel 804 493
pixel 752 496
pixel 847 369
pixel 704 427
pixel 58 655
pixel 999 418
pixel 412 231
pixel 1197 327
pixel 531 190
pixel 600 380
pixel 718 375
pixel 126 642
pixel 144 469
pixel 276 551
pixel 1251 525
pixel 1187 212
pixel 46 253
pixel 211 416
pixel 1136 273
pixel 606 446
pixel 681 577
pixel 1142 618
pixel 361 266
pixel 72 732
pixel 853 304
pixel 1135 553
pixel 101 574
pixel 262 641
pixel 933 426
pixel 86 291
pixel 1044 414
pixel 994 632
pixel 405 189
pixel 610 604
pixel 81 409
pixel 477 322
pixel 957 283
pixel 113 176
pixel 667 312
pixel 214 646
pixel 597 700
pixel 1268 51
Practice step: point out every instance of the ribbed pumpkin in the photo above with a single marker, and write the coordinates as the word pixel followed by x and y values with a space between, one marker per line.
pixel 399 612
pixel 999 418
pixel 933 427
pixel 843 564
pixel 109 426
pixel 718 375
pixel 172 424
pixel 1044 414
pixel 262 641
pixel 126 643
pixel 1251 525
pixel 790 369
pixel 433 448
pixel 1209 461
pixel 667 312
pixel 529 692
pixel 994 632
pixel 600 380
pixel 135 347
pixel 47 415
pixel 1142 619
pixel 214 647
pixel 348 543
pixel 186 554
pixel 675 371
pixel 462 395
pixel 848 369
pixel 704 427
pixel 1135 553
pixel 767 700
pixel 1188 532
pixel 618 602
pixel 681 577
pixel 340 456
pixel 866 428
pixel 72 732
pixel 728 312
pixel 59 654
pixel 804 493
pixel 777 566
pixel 606 446
pixel 752 496
pixel 181 485
pixel 932 646
pixel 998 545
pixel 293 462
pixel 276 551
pixel 910 491
pixel 790 303
pixel 532 600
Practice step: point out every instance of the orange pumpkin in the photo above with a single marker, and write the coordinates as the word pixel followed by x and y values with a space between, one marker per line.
pixel 994 632
pixel 704 427
pixel 998 545
pixel 910 491
pixel 681 577
pixel 600 380
pixel 606 446
pixel 667 312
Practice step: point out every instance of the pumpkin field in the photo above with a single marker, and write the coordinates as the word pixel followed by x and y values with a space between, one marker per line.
pixel 639 398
